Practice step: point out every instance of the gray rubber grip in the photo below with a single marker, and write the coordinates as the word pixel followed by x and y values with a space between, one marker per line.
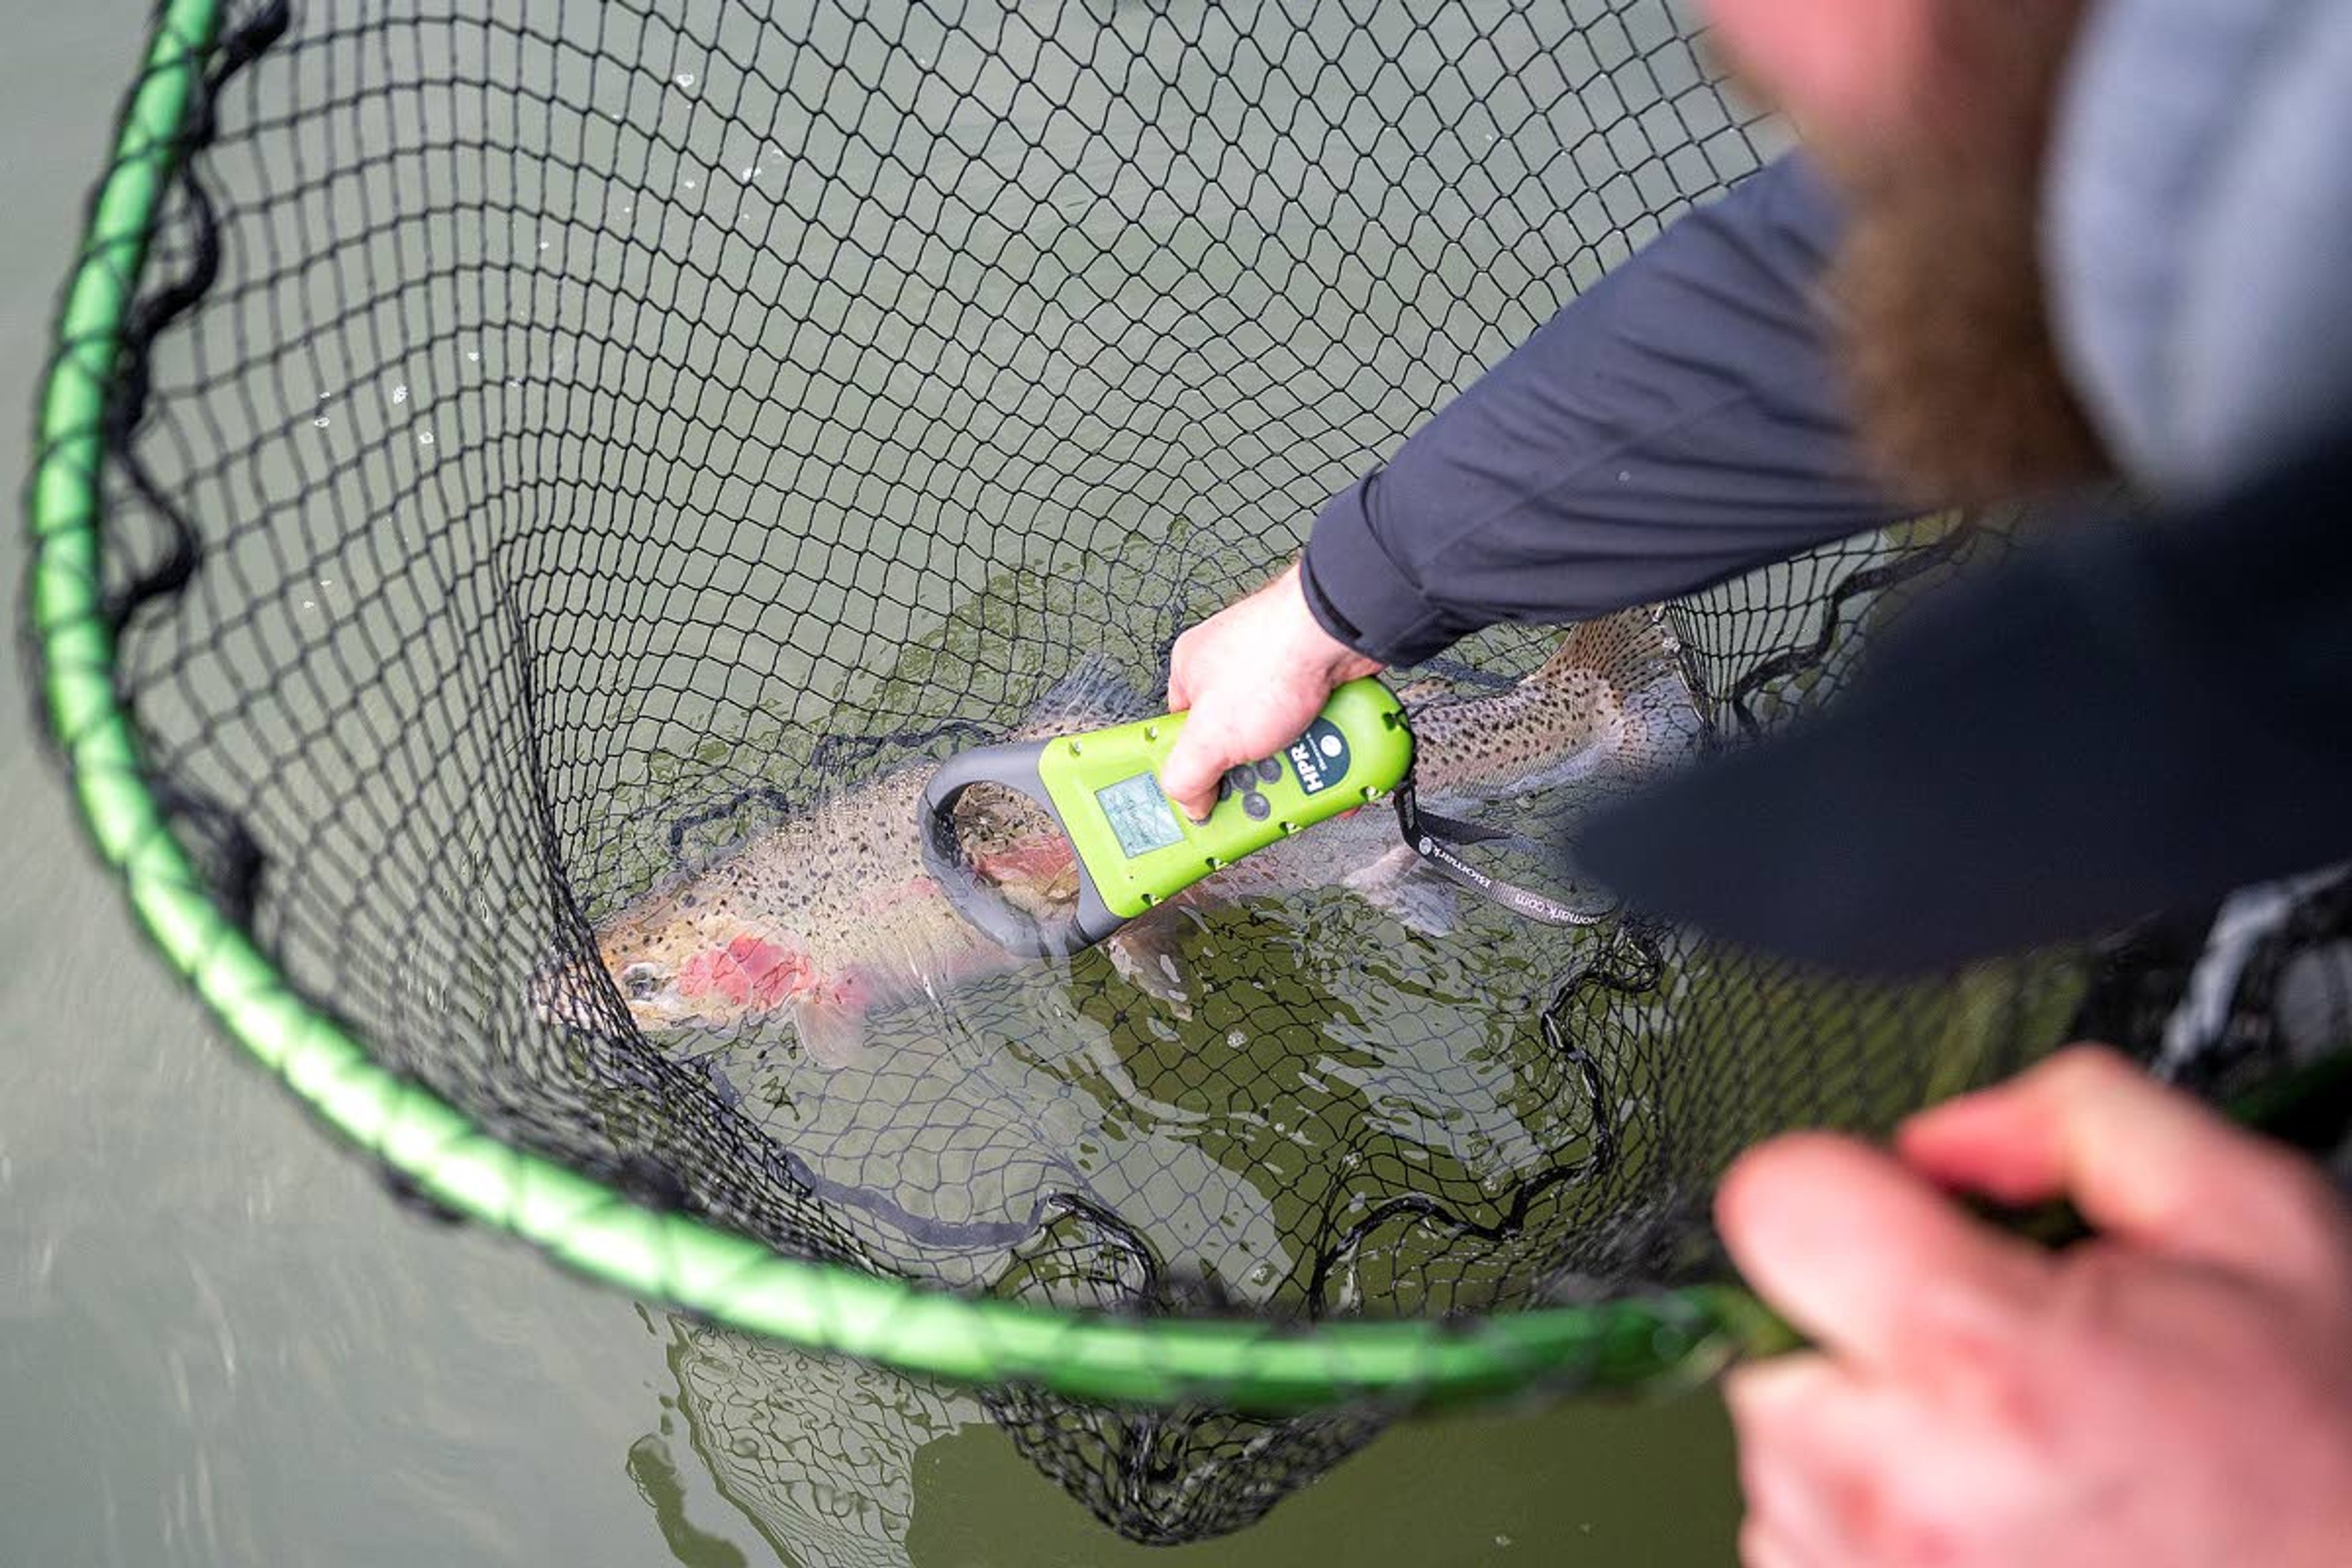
pixel 1013 765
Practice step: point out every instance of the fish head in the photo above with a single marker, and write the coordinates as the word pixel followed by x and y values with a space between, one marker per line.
pixel 681 958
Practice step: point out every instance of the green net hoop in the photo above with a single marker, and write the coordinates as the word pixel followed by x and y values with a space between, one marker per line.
pixel 495 457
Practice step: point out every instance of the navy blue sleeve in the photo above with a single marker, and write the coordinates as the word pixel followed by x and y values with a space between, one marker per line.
pixel 1679 422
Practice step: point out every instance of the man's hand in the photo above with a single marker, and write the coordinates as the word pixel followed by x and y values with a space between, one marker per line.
pixel 1253 676
pixel 2178 1391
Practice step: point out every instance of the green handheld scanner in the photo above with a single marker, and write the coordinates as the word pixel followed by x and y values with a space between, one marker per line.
pixel 1133 847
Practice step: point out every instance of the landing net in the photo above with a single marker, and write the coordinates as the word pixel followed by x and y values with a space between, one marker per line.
pixel 501 457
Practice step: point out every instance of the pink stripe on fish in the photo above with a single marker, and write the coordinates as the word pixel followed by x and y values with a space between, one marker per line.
pixel 747 972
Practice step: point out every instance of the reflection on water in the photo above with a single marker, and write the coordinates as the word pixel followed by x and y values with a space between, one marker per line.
pixel 815 1453
pixel 762 1455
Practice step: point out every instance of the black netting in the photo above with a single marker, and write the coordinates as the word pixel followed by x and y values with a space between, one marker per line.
pixel 597 442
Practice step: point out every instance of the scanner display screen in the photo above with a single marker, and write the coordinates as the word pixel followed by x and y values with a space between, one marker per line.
pixel 1139 815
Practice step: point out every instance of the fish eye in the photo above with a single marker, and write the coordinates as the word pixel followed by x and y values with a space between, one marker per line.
pixel 639 981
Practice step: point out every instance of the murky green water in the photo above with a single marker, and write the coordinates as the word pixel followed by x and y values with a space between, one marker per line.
pixel 220 1342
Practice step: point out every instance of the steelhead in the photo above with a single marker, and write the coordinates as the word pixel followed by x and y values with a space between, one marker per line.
pixel 830 916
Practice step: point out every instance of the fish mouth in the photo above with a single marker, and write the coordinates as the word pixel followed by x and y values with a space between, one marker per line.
pixel 571 993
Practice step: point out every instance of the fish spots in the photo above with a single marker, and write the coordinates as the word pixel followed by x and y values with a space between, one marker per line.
pixel 748 972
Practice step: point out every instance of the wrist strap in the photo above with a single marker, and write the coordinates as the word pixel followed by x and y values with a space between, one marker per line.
pixel 1433 837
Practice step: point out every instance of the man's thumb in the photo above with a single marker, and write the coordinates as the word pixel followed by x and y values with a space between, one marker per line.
pixel 1188 776
pixel 1866 1255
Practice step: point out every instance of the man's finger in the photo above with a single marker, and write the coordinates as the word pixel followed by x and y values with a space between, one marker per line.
pixel 1779 1408
pixel 1823 1456
pixel 2143 1162
pixel 1871 1260
pixel 1761 1546
pixel 1847 62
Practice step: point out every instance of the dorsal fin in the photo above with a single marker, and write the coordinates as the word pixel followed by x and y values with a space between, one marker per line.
pixel 1629 651
pixel 1091 696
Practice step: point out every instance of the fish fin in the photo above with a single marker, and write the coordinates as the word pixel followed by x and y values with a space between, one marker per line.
pixel 1399 885
pixel 1145 953
pixel 1428 689
pixel 831 1035
pixel 1656 723
pixel 1630 650
pixel 1634 652
pixel 1091 696
pixel 1663 727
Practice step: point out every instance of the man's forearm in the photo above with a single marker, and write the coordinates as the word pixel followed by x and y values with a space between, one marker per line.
pixel 1679 422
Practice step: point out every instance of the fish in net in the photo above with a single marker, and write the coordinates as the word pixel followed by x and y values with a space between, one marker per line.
pixel 510 468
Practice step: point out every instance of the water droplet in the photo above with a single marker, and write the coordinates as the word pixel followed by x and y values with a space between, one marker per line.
pixel 689 185
pixel 400 394
pixel 472 358
pixel 685 79
pixel 425 438
pixel 320 422
pixel 310 603
pixel 542 245
pixel 748 173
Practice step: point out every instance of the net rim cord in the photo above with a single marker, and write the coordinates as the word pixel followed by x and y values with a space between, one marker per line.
pixel 1249 1365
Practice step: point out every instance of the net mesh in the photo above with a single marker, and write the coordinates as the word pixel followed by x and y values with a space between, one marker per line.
pixel 567 442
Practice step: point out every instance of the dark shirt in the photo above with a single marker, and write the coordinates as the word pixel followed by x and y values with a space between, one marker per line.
pixel 1679 422
pixel 2124 718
